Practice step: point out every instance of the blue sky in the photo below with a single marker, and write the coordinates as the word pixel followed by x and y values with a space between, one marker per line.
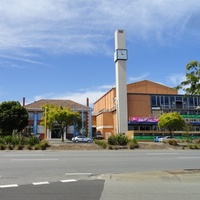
pixel 63 49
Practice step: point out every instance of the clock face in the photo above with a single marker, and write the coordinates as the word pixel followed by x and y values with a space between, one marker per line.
pixel 122 54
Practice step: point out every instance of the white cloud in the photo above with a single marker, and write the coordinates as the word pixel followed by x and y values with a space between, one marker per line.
pixel 138 78
pixel 65 26
pixel 79 97
pixel 176 79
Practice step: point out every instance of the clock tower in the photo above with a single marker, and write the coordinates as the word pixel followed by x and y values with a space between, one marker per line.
pixel 120 57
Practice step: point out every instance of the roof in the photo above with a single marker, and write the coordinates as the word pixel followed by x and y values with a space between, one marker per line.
pixel 150 87
pixel 64 103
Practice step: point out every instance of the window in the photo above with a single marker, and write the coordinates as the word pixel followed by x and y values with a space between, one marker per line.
pixel 191 101
pixel 153 101
pixel 178 98
pixel 30 115
pixel 40 115
pixel 166 100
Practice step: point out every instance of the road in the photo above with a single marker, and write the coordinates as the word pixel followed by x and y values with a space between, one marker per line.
pixel 90 174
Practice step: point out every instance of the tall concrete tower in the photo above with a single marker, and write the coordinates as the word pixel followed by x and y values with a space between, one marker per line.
pixel 120 57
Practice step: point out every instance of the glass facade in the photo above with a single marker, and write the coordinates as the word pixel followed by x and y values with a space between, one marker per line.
pixel 175 102
pixel 187 107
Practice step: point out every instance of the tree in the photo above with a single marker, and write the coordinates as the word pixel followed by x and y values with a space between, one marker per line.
pixel 59 116
pixel 191 85
pixel 171 121
pixel 13 116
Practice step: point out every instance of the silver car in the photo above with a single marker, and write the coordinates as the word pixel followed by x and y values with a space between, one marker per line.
pixel 81 138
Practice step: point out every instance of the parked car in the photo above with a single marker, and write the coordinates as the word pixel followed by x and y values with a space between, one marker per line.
pixel 99 136
pixel 81 138
pixel 156 139
pixel 165 138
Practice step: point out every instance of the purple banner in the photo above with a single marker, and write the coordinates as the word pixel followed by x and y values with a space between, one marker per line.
pixel 144 119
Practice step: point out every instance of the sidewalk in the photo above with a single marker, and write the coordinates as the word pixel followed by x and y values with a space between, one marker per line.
pixel 158 185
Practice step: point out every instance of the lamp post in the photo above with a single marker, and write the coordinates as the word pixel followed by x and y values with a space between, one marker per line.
pixel 45 123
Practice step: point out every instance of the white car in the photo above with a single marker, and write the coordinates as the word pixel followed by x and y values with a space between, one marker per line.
pixel 165 138
pixel 81 138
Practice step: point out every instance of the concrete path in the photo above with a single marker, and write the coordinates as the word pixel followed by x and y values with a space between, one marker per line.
pixel 158 185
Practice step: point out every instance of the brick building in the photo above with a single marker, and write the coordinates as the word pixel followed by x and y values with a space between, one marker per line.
pixel 35 113
pixel 146 101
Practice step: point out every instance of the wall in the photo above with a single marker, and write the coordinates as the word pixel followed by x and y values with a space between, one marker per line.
pixel 106 102
pixel 139 106
pixel 148 87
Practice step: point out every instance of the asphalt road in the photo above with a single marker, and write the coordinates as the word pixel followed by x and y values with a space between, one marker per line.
pixel 100 175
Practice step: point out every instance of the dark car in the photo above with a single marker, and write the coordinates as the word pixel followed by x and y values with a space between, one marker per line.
pixel 99 136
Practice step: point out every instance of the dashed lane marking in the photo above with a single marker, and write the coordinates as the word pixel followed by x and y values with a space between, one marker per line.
pixel 74 174
pixel 8 186
pixel 41 183
pixel 69 180
pixel 31 159
pixel 38 183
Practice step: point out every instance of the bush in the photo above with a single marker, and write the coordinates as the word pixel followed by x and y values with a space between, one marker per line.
pixel 8 139
pixel 16 140
pixel 173 142
pixel 101 143
pixel 19 147
pixel 112 140
pixel 118 139
pixel 31 141
pixel 9 146
pixel 194 146
pixel 132 144
pixel 122 139
pixel 2 140
pixel 37 146
pixel 28 146
pixel 2 146
pixel 44 143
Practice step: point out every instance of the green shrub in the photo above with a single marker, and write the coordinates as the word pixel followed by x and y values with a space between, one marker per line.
pixel 9 146
pixel 2 140
pixel 194 146
pixel 101 143
pixel 112 140
pixel 44 143
pixel 16 140
pixel 19 147
pixel 197 141
pixel 122 139
pixel 132 144
pixel 8 139
pixel 118 139
pixel 28 146
pixel 173 142
pixel 2 146
pixel 31 140
pixel 37 146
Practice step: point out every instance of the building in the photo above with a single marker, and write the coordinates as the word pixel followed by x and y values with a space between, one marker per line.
pixel 146 101
pixel 35 113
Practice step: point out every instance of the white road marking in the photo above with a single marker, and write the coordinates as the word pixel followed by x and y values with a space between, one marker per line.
pixel 8 186
pixel 22 155
pixel 162 154
pixel 41 183
pixel 67 181
pixel 197 157
pixel 77 174
pixel 38 159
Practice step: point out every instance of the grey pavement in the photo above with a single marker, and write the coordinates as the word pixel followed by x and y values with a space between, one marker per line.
pixel 157 185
